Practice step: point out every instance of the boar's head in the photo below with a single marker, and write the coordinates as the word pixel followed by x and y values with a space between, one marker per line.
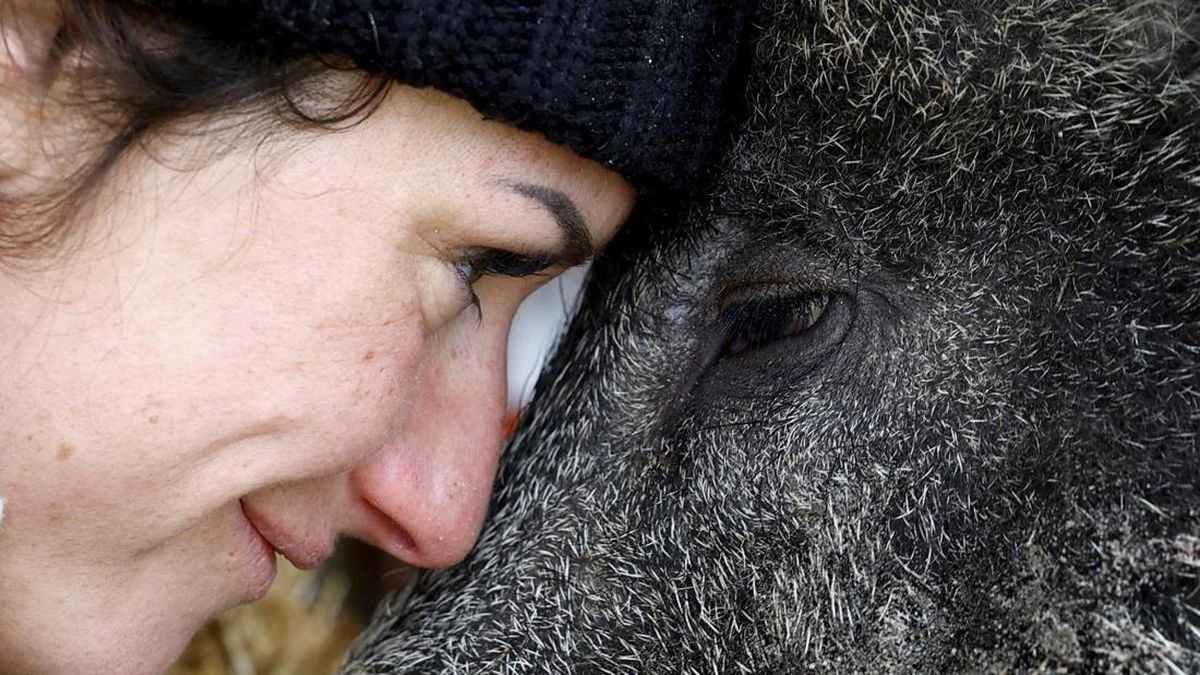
pixel 914 387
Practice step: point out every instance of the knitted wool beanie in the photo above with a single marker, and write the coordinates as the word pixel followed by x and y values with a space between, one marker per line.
pixel 644 86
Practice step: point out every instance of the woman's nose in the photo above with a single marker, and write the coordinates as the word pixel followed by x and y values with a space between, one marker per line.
pixel 428 493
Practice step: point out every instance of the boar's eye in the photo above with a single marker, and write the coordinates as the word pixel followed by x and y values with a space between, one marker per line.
pixel 758 322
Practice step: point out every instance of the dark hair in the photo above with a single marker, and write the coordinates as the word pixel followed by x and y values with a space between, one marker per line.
pixel 129 73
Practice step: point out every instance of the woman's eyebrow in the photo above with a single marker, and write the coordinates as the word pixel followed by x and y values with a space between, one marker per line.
pixel 577 247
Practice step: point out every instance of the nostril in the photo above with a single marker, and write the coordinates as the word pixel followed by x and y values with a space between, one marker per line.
pixel 388 535
pixel 424 512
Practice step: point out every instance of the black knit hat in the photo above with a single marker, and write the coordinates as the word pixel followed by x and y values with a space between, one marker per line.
pixel 644 86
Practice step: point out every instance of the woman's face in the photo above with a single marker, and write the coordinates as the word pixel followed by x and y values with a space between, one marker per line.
pixel 280 348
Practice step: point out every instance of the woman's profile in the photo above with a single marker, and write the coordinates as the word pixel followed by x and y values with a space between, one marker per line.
pixel 257 266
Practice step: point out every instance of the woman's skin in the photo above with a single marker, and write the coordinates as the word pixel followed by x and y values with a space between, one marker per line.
pixel 262 354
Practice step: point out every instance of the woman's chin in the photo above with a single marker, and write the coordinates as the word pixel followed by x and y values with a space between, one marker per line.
pixel 130 649
pixel 259 558
pixel 211 573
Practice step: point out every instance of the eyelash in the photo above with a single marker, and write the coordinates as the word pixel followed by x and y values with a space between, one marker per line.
pixel 490 262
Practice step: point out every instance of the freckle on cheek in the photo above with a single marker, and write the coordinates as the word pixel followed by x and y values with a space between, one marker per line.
pixel 65 450
pixel 54 514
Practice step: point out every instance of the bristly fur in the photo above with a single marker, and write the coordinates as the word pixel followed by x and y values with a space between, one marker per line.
pixel 994 468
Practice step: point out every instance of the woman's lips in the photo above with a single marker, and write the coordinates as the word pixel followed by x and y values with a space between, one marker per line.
pixel 262 567
pixel 302 554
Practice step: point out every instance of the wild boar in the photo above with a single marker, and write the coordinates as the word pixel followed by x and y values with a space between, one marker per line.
pixel 915 387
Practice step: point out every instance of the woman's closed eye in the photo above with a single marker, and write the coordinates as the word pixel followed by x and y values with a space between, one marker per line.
pixel 485 262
